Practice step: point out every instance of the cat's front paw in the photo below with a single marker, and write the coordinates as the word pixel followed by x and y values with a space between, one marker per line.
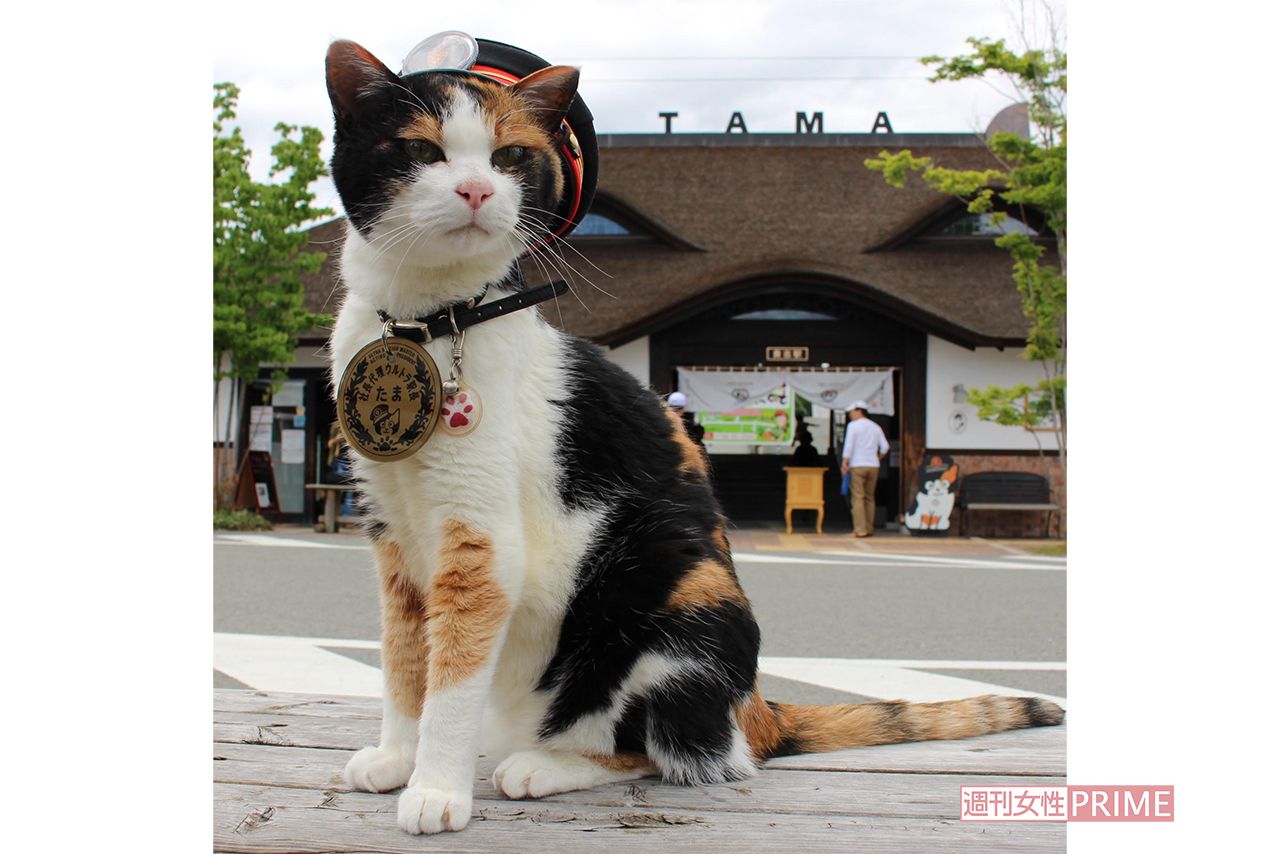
pixel 378 769
pixel 427 810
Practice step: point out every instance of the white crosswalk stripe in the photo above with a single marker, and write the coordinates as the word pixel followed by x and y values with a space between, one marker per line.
pixel 819 558
pixel 307 666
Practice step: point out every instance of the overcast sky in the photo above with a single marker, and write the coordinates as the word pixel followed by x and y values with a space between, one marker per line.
pixel 767 59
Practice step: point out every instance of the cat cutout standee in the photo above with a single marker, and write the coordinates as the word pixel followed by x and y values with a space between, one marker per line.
pixel 939 481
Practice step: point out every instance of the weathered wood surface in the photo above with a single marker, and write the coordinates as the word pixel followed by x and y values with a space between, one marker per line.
pixel 278 760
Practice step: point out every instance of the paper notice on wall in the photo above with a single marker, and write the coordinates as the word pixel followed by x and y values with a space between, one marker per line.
pixel 293 446
pixel 260 428
pixel 264 494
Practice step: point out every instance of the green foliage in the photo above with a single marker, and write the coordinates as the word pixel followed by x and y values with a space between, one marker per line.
pixel 239 520
pixel 1032 174
pixel 1026 406
pixel 258 240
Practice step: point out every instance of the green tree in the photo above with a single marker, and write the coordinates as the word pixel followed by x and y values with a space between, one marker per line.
pixel 258 262
pixel 1031 175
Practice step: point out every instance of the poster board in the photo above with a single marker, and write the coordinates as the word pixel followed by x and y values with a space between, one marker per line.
pixel 256 489
pixel 767 420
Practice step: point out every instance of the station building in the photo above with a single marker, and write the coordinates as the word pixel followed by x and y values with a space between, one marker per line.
pixel 763 252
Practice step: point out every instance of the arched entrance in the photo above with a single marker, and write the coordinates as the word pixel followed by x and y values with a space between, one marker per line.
pixel 839 328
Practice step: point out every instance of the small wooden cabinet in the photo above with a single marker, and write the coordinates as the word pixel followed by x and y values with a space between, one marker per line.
pixel 804 491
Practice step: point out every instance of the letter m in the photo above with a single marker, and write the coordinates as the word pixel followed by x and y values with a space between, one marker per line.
pixel 804 124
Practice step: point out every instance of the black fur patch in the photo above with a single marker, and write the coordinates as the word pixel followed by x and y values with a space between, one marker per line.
pixel 370 162
pixel 659 527
pixel 1041 712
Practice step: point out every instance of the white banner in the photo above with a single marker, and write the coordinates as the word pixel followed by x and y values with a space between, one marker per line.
pixel 836 390
pixel 723 391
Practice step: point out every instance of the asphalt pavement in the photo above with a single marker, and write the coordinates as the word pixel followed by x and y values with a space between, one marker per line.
pixel 841 620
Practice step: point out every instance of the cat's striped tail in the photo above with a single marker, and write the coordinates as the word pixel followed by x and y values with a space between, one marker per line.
pixel 780 729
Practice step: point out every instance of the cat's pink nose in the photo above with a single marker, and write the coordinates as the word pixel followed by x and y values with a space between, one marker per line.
pixel 475 192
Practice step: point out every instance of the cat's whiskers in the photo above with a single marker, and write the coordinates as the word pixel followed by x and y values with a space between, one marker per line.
pixel 545 275
pixel 407 251
pixel 570 245
pixel 401 234
pixel 536 249
pixel 564 263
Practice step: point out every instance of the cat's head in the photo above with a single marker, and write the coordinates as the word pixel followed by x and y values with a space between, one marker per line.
pixel 441 169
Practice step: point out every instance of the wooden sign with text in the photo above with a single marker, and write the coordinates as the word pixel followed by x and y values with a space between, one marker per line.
pixel 786 354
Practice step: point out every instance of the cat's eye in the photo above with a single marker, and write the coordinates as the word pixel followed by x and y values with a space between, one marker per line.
pixel 423 151
pixel 505 158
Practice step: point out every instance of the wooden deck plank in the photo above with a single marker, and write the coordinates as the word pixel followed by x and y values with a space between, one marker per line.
pixel 1037 752
pixel 305 705
pixel 265 820
pixel 854 794
pixel 278 787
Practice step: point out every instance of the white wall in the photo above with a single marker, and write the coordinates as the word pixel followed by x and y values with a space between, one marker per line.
pixel 949 366
pixel 634 357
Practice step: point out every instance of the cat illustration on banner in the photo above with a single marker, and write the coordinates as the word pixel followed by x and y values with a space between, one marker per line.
pixel 936 497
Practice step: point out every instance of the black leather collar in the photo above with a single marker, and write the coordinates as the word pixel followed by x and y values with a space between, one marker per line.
pixel 457 317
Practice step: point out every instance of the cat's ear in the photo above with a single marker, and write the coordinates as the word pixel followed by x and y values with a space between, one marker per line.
pixel 357 80
pixel 548 92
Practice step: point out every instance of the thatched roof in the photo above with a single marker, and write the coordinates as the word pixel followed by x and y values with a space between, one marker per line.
pixel 732 211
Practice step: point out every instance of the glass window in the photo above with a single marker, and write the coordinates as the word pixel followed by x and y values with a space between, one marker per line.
pixel 982 225
pixel 599 225
pixel 784 314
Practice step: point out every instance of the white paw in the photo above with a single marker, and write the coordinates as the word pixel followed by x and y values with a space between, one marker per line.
pixel 377 769
pixel 426 810
pixel 535 774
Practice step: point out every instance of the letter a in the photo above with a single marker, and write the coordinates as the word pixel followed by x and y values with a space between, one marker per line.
pixel 736 121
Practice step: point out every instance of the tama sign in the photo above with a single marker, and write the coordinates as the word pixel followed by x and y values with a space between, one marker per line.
pixel 805 123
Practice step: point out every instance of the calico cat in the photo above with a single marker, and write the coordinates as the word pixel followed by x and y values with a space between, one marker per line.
pixel 562 569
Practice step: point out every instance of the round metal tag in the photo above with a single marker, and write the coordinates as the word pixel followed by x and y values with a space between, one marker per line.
pixel 389 399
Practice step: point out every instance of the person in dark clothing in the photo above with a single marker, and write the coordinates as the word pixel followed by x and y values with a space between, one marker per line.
pixel 806 454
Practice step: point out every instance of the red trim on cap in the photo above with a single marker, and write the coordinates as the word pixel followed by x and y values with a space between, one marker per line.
pixel 507 78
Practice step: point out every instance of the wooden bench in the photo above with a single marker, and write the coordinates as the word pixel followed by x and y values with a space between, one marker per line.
pixel 1005 490
pixel 331 492
pixel 278 787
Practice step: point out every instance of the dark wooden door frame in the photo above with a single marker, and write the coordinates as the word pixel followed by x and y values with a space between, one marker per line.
pixel 908 353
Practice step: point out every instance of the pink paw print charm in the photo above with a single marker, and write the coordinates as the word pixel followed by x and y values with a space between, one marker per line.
pixel 460 413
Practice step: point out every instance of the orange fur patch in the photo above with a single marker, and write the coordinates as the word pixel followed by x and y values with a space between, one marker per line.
pixel 691 457
pixel 404 636
pixel 622 761
pixel 466 608
pixel 425 127
pixel 707 585
pixel 721 541
pixel 821 728
pixel 759 724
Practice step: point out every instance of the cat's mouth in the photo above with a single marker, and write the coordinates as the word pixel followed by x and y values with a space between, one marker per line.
pixel 469 228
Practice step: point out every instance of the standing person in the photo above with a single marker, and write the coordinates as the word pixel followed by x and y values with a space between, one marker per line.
pixel 864 448
pixel 806 454
pixel 677 401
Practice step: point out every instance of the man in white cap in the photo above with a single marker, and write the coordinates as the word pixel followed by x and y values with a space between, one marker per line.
pixel 677 401
pixel 864 448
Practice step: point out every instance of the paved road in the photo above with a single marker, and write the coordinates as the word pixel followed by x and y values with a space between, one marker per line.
pixel 298 612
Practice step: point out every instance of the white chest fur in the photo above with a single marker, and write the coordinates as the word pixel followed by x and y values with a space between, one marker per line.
pixel 501 478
